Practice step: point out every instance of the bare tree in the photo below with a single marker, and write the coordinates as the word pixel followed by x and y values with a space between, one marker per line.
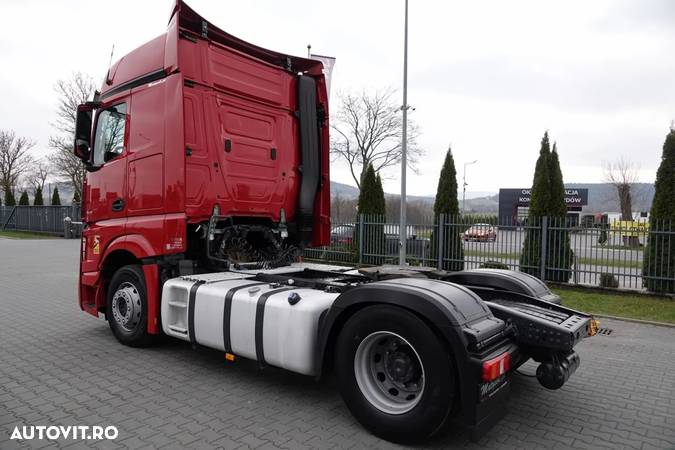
pixel 418 211
pixel 37 176
pixel 623 174
pixel 71 92
pixel 368 130
pixel 15 159
pixel 342 209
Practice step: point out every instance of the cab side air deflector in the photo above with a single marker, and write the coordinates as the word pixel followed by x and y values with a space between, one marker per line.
pixel 310 161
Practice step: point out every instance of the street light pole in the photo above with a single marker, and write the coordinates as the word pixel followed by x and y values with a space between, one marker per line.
pixel 404 146
pixel 465 185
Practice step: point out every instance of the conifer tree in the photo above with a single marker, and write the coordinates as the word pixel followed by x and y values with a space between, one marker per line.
pixel 379 197
pixel 76 198
pixel 369 197
pixel 9 198
pixel 559 255
pixel 659 257
pixel 371 207
pixel 38 200
pixel 446 202
pixel 23 200
pixel 530 257
pixel 56 200
pixel 547 199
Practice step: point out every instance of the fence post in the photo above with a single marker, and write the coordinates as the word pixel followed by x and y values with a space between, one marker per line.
pixel 4 225
pixel 67 231
pixel 440 234
pixel 544 240
pixel 360 239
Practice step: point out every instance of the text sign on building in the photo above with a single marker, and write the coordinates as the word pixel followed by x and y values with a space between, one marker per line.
pixel 573 197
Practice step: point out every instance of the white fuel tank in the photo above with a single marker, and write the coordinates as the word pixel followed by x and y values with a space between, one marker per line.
pixel 232 312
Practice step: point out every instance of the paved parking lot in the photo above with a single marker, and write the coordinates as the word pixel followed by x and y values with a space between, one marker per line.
pixel 59 366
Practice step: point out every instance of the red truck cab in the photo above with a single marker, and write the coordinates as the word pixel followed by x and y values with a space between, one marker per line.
pixel 194 132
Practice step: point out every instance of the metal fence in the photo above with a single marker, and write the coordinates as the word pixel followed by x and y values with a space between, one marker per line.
pixel 623 254
pixel 40 219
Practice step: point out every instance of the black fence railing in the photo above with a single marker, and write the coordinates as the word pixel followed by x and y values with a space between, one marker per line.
pixel 39 219
pixel 637 254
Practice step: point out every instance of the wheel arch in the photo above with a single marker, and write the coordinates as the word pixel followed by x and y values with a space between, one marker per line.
pixel 112 261
pixel 425 304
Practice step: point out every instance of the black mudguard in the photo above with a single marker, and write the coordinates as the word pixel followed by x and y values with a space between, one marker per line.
pixel 504 280
pixel 462 319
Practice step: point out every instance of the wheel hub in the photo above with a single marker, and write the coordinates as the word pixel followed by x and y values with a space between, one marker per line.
pixel 389 372
pixel 126 306
pixel 400 367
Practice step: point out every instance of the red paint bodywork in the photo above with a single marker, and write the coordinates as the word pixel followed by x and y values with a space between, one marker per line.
pixel 206 89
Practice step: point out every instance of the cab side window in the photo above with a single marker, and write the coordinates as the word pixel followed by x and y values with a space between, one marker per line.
pixel 109 138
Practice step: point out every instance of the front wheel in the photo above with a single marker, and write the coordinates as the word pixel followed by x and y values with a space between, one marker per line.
pixel 127 306
pixel 395 374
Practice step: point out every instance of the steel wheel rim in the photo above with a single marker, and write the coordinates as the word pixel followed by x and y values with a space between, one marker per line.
pixel 126 306
pixel 389 372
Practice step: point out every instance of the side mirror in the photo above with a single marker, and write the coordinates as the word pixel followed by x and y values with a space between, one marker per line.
pixel 83 121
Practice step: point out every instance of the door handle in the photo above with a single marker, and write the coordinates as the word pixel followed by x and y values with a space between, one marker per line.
pixel 118 205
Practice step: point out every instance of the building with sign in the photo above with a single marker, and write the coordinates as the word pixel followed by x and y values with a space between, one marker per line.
pixel 514 204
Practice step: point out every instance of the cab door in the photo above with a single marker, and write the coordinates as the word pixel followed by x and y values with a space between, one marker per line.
pixel 105 187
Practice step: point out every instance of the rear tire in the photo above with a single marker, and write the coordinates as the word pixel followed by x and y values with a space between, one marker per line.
pixel 395 374
pixel 127 307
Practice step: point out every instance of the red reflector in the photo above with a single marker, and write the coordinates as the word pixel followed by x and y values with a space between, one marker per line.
pixel 496 367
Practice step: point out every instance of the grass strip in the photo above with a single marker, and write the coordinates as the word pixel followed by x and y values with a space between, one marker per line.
pixel 25 235
pixel 641 307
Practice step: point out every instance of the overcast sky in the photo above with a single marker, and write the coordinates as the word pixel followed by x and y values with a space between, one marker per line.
pixel 488 77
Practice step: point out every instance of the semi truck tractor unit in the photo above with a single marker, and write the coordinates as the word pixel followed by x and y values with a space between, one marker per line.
pixel 207 171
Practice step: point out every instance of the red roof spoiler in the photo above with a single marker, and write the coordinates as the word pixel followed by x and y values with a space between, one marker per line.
pixel 189 20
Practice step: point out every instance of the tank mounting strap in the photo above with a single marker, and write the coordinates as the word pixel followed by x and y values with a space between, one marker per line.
pixel 191 310
pixel 227 313
pixel 259 320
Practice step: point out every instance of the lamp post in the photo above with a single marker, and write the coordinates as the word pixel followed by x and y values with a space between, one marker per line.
pixel 465 184
pixel 404 146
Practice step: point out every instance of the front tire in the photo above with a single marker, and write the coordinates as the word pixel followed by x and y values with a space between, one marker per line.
pixel 127 306
pixel 395 374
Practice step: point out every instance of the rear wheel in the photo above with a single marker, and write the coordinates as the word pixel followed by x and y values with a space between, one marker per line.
pixel 127 306
pixel 395 374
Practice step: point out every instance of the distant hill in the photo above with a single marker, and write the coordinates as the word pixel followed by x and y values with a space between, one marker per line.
pixel 343 190
pixel 481 204
pixel 602 197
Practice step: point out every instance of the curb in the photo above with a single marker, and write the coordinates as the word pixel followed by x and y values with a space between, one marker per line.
pixel 643 322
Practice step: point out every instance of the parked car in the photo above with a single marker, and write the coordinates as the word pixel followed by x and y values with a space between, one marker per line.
pixel 342 235
pixel 481 232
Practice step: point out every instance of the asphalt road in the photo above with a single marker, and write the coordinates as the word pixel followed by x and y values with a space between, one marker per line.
pixel 60 366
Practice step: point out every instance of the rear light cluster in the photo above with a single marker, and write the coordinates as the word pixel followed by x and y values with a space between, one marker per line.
pixel 496 367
